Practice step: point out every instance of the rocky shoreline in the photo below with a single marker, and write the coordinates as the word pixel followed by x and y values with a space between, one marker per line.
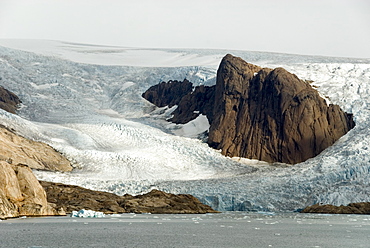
pixel 352 208
pixel 21 194
pixel 74 198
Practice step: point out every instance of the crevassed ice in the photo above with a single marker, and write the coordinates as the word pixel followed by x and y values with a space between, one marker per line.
pixel 119 142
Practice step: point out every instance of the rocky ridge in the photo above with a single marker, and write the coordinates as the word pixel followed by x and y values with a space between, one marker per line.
pixel 261 113
pixel 74 198
pixel 352 208
pixel 200 101
pixel 18 150
pixel 191 102
pixel 168 94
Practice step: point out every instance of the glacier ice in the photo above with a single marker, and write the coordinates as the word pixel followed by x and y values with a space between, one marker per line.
pixel 94 114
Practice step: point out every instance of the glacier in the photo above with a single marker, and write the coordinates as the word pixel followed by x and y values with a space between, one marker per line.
pixel 85 101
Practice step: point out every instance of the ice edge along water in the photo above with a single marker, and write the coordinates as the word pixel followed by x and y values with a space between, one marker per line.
pixel 95 115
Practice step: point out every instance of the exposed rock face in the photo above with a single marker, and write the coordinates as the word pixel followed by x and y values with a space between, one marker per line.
pixel 74 198
pixel 352 208
pixel 163 203
pixel 263 114
pixel 271 115
pixel 168 94
pixel 21 194
pixel 190 103
pixel 200 101
pixel 17 150
pixel 8 100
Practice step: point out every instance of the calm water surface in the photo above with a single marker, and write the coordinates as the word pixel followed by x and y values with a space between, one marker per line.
pixel 231 229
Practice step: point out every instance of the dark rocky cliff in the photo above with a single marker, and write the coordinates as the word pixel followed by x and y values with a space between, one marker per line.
pixel 8 100
pixel 168 94
pixel 260 113
pixel 200 101
pixel 191 102
pixel 271 115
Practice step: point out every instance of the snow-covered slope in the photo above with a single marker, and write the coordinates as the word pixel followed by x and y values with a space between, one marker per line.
pixel 86 102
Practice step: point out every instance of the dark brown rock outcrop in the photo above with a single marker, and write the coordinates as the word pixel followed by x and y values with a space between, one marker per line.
pixel 200 101
pixel 263 114
pixel 352 208
pixel 74 198
pixel 8 100
pixel 271 115
pixel 191 103
pixel 168 94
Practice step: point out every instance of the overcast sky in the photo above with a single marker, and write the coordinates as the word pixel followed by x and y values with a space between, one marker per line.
pixel 315 27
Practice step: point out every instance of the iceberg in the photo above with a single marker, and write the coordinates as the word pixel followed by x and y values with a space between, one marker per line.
pixel 87 214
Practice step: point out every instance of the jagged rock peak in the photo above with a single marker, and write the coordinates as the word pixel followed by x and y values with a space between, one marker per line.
pixel 271 115
pixel 258 113
pixel 200 101
pixel 191 101
pixel 238 64
pixel 168 94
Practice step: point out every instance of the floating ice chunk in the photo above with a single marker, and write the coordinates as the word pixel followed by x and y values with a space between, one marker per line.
pixel 115 215
pixel 87 214
pixel 266 213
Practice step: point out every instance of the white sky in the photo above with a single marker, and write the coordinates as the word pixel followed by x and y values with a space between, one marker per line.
pixel 316 27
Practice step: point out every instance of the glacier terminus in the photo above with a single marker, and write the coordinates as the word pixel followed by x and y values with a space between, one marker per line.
pixel 85 101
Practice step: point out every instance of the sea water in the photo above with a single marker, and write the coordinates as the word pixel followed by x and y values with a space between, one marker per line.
pixel 228 229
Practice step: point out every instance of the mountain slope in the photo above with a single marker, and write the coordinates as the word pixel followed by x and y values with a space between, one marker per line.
pixel 18 150
pixel 121 143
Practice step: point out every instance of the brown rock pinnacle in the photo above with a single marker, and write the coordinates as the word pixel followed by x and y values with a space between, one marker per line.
pixel 271 115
